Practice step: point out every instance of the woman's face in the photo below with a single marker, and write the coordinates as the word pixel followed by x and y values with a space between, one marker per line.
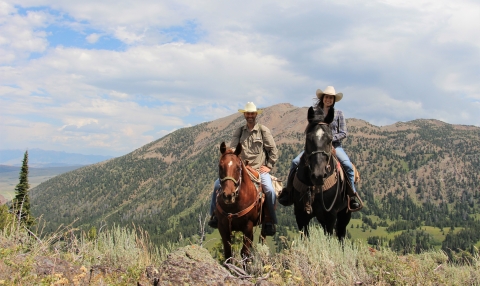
pixel 328 100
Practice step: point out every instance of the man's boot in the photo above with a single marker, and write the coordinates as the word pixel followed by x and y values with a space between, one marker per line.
pixel 213 222
pixel 286 197
pixel 269 229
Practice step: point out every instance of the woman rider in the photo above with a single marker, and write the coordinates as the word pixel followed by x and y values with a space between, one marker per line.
pixel 326 100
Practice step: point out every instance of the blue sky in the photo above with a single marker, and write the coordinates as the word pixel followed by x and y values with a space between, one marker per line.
pixel 107 77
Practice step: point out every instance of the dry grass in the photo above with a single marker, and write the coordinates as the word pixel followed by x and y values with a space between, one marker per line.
pixel 322 260
pixel 124 252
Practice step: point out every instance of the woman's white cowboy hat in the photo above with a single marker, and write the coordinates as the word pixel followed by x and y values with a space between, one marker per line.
pixel 250 107
pixel 330 90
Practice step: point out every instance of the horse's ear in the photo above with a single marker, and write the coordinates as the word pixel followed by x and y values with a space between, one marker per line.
pixel 223 148
pixel 311 114
pixel 330 115
pixel 238 149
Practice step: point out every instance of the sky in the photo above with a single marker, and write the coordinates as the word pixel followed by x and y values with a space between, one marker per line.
pixel 107 77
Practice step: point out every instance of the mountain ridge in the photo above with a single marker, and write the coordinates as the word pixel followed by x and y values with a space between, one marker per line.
pixel 166 184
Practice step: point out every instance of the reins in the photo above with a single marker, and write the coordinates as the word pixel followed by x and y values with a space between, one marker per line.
pixel 336 193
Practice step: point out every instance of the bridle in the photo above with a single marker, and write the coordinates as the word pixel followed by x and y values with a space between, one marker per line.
pixel 327 169
pixel 328 154
pixel 236 182
pixel 257 202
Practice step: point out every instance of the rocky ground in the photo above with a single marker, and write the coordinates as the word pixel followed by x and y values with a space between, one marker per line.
pixel 190 265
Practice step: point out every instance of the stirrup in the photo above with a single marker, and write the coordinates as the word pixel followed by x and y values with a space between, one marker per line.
pixel 359 202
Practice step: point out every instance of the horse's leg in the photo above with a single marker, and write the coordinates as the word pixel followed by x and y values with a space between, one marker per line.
pixel 227 241
pixel 343 218
pixel 247 240
pixel 328 222
pixel 303 219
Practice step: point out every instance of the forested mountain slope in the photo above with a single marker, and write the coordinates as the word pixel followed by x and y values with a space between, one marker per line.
pixel 422 170
pixel 162 186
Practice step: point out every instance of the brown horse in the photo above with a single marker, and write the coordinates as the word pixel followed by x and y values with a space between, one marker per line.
pixel 239 200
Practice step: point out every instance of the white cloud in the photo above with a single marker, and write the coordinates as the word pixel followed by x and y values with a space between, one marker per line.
pixel 21 35
pixel 93 38
pixel 184 62
pixel 126 36
pixel 117 94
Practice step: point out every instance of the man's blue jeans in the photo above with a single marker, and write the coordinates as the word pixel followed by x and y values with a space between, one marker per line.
pixel 270 195
pixel 342 157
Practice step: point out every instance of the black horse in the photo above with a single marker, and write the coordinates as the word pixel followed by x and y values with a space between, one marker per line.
pixel 318 170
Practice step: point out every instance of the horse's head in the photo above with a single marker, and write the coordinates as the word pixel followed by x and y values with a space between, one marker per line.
pixel 230 172
pixel 318 144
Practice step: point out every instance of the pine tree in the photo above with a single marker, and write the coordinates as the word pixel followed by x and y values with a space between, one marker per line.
pixel 21 203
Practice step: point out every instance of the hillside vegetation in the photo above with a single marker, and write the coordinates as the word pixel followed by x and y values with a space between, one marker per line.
pixel 417 174
pixel 125 256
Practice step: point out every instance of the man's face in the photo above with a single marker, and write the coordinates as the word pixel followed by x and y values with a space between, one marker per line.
pixel 250 116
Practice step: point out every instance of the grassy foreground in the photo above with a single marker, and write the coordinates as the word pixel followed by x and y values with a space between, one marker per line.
pixel 66 256
pixel 319 260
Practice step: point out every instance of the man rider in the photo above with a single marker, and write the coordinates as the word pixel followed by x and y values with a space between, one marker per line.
pixel 260 151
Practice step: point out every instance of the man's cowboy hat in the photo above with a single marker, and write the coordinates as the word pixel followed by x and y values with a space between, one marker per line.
pixel 250 107
pixel 330 90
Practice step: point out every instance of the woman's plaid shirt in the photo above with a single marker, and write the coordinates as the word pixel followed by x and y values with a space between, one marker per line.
pixel 339 128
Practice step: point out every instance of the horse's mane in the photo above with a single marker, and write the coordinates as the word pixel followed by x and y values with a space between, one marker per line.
pixel 320 117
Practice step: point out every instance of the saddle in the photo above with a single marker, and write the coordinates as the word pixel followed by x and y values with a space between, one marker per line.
pixel 309 192
pixel 255 177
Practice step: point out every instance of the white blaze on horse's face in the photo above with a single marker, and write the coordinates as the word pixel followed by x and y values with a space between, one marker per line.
pixel 319 134
pixel 230 164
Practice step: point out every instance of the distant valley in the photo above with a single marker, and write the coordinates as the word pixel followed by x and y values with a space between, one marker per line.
pixel 43 165
pixel 9 178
